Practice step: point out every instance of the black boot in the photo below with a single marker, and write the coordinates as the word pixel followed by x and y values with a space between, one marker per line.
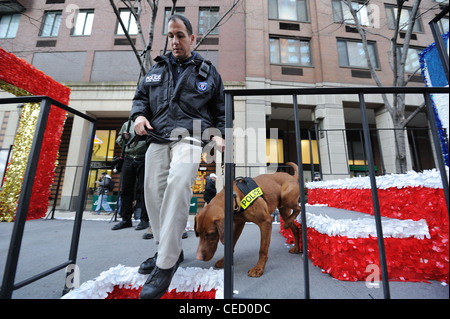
pixel 123 224
pixel 147 266
pixel 158 282
pixel 142 225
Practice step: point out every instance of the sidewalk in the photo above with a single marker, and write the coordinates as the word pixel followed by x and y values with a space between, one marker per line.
pixel 103 216
pixel 46 244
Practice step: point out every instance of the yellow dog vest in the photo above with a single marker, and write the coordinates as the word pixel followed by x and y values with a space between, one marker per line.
pixel 250 189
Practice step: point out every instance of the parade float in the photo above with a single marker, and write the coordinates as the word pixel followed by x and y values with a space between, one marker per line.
pixel 414 219
pixel 20 78
pixel 122 282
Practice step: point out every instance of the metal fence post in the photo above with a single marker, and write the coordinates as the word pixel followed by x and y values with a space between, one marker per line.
pixel 24 201
pixel 302 198
pixel 81 198
pixel 229 172
pixel 376 204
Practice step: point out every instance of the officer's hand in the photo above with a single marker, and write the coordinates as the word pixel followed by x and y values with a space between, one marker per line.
pixel 126 136
pixel 141 124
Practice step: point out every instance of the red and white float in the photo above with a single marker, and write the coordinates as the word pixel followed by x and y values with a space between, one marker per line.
pixel 415 227
pixel 122 282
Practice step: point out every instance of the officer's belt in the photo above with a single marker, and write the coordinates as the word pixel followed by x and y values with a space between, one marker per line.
pixel 251 192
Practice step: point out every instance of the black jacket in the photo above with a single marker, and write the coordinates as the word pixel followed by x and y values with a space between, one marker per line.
pixel 210 190
pixel 172 109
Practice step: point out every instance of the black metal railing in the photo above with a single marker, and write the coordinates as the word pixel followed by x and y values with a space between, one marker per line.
pixel 325 167
pixel 361 92
pixel 8 283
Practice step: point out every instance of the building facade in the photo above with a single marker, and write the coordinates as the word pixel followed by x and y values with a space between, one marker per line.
pixel 259 44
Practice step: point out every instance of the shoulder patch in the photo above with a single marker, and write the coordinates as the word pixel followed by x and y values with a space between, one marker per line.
pixel 153 78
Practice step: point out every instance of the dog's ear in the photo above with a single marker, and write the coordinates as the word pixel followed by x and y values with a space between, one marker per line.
pixel 195 226
pixel 220 224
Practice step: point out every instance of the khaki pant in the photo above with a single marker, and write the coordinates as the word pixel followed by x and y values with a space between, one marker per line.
pixel 170 171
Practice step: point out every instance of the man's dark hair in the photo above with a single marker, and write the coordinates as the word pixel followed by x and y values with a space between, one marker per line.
pixel 185 20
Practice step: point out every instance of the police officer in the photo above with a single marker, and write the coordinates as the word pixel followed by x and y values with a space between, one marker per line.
pixel 179 105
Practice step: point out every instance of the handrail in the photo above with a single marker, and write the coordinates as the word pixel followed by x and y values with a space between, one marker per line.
pixel 8 284
pixel 337 91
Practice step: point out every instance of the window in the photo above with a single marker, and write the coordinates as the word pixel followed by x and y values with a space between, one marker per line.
pixel 355 148
pixel 52 21
pixel 412 60
pixel 167 11
pixel 208 17
pixel 290 51
pixel 129 22
pixel 274 151
pixel 443 25
pixel 342 14
pixel 351 54
pixel 391 13
pixel 83 22
pixel 293 10
pixel 104 143
pixel 8 25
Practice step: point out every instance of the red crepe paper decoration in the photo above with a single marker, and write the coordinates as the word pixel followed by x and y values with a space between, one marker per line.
pixel 23 75
pixel 122 282
pixel 405 203
pixel 408 259
pixel 133 293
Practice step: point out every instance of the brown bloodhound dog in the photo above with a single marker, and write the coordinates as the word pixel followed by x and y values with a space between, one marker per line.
pixel 279 190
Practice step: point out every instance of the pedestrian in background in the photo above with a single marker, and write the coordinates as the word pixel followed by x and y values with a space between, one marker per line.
pixel 104 185
pixel 131 178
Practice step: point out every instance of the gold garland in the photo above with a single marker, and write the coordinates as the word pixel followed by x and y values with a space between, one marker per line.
pixel 10 192
pixel 13 89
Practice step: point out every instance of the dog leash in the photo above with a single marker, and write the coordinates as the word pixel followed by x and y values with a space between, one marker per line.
pixel 136 138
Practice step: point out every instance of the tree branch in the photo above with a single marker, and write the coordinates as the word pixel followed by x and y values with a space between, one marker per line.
pixel 374 75
pixel 413 114
pixel 407 40
pixel 154 4
pixel 394 42
pixel 137 17
pixel 136 53
pixel 172 11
